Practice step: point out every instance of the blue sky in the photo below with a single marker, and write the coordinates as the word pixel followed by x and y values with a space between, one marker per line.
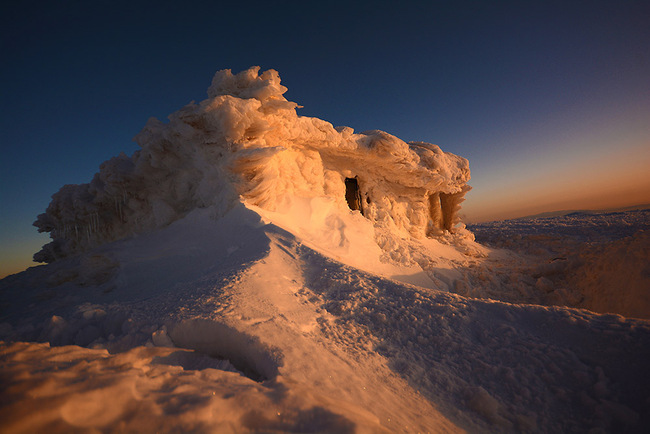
pixel 549 101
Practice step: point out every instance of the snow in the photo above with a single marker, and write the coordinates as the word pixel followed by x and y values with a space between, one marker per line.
pixel 593 261
pixel 247 141
pixel 219 281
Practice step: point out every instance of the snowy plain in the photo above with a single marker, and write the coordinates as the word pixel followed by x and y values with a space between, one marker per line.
pixel 280 309
pixel 596 261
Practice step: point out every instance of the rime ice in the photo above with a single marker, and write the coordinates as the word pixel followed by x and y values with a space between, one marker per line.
pixel 247 142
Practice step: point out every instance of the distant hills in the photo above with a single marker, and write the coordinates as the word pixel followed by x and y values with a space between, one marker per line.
pixel 584 211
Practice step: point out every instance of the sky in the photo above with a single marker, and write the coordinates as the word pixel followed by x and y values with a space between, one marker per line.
pixel 548 100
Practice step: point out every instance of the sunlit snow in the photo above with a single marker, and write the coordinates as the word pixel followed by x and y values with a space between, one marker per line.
pixel 252 270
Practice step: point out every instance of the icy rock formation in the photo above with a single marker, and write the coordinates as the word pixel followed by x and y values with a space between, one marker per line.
pixel 247 142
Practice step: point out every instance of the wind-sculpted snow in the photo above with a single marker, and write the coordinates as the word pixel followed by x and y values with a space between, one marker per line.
pixel 235 324
pixel 589 260
pixel 143 390
pixel 247 142
pixel 243 323
pixel 520 368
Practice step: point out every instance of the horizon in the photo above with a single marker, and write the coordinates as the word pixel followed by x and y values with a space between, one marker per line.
pixel 555 213
pixel 549 103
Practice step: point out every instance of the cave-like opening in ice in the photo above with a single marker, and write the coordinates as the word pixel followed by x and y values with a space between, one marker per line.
pixel 447 210
pixel 353 194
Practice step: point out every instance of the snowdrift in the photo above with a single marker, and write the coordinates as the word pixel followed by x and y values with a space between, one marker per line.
pixel 234 324
pixel 251 270
pixel 596 261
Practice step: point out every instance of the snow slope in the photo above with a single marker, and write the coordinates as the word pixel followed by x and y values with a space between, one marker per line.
pixel 232 324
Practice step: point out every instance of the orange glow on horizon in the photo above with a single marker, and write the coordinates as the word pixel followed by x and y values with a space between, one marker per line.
pixel 580 196
pixel 615 179
pixel 524 206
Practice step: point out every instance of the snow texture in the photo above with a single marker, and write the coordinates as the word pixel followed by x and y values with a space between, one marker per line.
pixel 219 281
pixel 235 324
pixel 593 261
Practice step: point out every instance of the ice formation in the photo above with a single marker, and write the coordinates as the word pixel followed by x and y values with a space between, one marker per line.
pixel 289 276
pixel 247 142
pixel 236 325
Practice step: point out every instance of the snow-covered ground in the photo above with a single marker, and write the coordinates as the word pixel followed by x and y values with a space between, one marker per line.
pixel 220 281
pixel 596 261
pixel 236 324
